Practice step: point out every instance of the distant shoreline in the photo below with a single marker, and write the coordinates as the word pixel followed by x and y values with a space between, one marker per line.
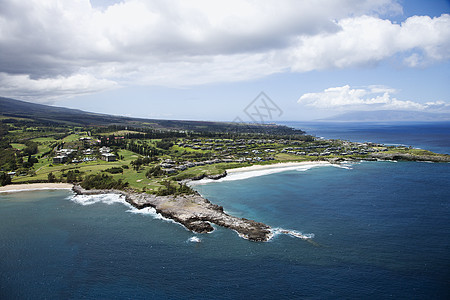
pixel 12 188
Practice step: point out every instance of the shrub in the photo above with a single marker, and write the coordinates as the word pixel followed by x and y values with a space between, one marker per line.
pixel 102 181
pixel 4 178
pixel 114 170
pixel 153 172
pixel 51 177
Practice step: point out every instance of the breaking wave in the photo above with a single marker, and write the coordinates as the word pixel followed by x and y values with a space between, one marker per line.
pixel 346 166
pixel 149 211
pixel 292 233
pixel 194 239
pixel 110 199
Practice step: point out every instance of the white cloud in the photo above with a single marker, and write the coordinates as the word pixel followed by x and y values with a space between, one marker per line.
pixel 52 88
pixel 367 98
pixel 52 43
pixel 367 40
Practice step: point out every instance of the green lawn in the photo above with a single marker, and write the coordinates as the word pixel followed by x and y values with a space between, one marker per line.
pixel 213 169
pixel 411 151
pixel 119 133
pixel 18 146
pixel 44 139
pixel 285 157
pixel 71 138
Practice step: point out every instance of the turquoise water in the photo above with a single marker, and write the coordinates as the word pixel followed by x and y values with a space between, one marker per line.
pixel 380 232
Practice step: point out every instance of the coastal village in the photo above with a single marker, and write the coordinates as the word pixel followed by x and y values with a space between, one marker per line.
pixel 150 164
pixel 152 167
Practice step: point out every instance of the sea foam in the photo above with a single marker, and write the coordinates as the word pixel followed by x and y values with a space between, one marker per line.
pixel 240 175
pixel 149 211
pixel 293 233
pixel 110 199
pixel 194 239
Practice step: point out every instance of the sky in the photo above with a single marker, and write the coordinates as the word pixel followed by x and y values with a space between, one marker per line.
pixel 251 61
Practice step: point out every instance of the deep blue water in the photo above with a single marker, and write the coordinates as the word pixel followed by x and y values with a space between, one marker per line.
pixel 431 136
pixel 381 232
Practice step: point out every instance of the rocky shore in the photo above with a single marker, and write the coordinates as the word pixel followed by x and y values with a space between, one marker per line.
pixel 192 211
pixel 411 157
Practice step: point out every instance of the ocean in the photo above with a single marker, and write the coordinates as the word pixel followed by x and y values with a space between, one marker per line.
pixel 433 136
pixel 380 231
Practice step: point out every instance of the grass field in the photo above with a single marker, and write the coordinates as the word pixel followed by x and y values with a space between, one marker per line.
pixel 18 146
pixel 71 138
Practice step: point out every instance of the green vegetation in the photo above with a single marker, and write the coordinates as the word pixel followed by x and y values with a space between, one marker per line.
pixel 4 179
pixel 59 145
pixel 102 181
pixel 115 170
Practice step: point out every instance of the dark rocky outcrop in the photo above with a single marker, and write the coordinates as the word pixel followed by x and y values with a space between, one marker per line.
pixel 193 211
pixel 411 157
pixel 204 176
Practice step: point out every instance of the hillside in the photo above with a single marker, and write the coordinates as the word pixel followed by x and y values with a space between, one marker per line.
pixel 59 115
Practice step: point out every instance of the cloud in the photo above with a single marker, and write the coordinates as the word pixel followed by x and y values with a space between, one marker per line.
pixel 179 43
pixel 367 98
pixel 52 88
pixel 367 40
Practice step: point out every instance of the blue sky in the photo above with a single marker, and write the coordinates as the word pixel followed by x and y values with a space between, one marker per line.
pixel 207 60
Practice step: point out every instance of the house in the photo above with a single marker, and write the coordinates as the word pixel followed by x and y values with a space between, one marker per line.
pixel 65 152
pixel 166 165
pixel 181 167
pixel 88 152
pixel 170 171
pixel 104 150
pixel 60 159
pixel 108 157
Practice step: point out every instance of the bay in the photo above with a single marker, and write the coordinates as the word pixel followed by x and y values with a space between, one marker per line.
pixel 380 232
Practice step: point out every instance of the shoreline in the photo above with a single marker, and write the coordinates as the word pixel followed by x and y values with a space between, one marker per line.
pixel 193 211
pixel 28 187
pixel 255 171
pixel 276 166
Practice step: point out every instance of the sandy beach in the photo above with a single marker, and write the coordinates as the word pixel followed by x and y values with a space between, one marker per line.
pixel 259 170
pixel 275 166
pixel 34 186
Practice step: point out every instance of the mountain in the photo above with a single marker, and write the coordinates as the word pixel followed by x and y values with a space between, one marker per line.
pixel 60 115
pixel 389 116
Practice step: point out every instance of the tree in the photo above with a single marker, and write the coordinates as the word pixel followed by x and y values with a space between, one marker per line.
pixel 31 148
pixel 102 181
pixel 4 178
pixel 167 189
pixel 51 177
pixel 71 177
pixel 154 172
pixel 164 144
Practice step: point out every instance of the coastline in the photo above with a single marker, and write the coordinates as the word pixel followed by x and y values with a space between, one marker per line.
pixel 193 211
pixel 12 188
pixel 257 170
pixel 276 166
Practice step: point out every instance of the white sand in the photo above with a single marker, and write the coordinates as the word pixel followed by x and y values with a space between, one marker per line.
pixel 260 170
pixel 276 166
pixel 34 186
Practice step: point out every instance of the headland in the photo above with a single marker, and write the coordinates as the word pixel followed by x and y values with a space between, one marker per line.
pixel 192 211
